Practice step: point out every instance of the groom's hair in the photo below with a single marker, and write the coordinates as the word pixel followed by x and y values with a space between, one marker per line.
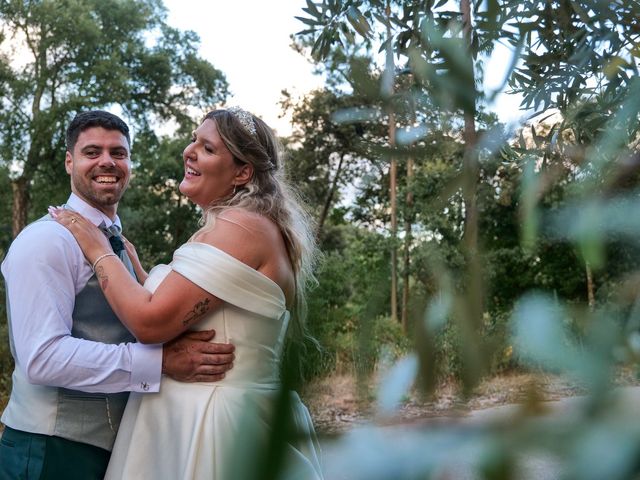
pixel 95 118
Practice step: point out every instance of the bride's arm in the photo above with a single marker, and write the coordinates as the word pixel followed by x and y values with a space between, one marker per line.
pixel 176 304
pixel 141 273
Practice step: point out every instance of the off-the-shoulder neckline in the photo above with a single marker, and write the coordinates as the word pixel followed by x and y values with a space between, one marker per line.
pixel 242 264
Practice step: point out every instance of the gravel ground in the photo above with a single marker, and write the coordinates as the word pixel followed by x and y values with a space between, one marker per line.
pixel 336 405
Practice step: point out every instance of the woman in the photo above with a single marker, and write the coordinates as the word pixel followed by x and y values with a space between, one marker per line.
pixel 240 274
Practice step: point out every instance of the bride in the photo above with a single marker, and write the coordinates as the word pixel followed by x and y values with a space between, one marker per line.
pixel 240 274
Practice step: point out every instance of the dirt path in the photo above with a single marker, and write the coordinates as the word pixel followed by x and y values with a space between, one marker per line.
pixel 336 406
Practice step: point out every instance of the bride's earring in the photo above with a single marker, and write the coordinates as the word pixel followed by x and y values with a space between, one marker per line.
pixel 234 189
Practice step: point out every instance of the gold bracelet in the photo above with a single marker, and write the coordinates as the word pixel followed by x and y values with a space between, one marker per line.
pixel 104 255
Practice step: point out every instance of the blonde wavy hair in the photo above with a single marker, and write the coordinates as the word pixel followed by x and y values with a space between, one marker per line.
pixel 268 193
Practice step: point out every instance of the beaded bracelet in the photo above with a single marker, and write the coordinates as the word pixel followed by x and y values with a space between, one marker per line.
pixel 104 255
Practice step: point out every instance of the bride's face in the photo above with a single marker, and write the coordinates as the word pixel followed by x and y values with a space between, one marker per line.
pixel 210 172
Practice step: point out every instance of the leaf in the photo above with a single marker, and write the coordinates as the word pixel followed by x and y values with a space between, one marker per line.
pixel 396 384
pixel 384 45
pixel 535 137
pixel 612 67
pixel 354 115
pixel 539 337
pixel 493 10
pixel 409 135
pixel 312 7
pixel 383 20
pixel 358 21
pixel 308 21
pixel 584 16
pixel 438 311
pixel 317 50
pixel 522 141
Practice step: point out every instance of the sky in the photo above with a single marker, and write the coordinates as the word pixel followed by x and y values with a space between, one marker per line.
pixel 249 40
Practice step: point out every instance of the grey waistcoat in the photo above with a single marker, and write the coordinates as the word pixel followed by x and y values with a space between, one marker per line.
pixel 92 418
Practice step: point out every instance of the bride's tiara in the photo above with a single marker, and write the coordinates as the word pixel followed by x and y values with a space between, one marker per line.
pixel 245 118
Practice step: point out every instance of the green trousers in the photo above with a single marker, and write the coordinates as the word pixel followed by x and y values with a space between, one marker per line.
pixel 31 456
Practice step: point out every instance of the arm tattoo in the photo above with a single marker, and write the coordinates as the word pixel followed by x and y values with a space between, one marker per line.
pixel 199 309
pixel 103 278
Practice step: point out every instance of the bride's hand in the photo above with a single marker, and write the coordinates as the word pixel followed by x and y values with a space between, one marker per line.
pixel 90 238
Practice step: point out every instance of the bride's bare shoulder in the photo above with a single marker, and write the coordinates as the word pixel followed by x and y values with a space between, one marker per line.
pixel 250 221
pixel 248 236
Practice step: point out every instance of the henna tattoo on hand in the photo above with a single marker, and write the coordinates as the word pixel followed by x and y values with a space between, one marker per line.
pixel 199 309
pixel 103 278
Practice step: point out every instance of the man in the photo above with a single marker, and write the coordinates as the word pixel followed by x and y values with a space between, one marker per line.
pixel 72 355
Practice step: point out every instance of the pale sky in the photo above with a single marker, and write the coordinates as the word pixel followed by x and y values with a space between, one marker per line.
pixel 249 41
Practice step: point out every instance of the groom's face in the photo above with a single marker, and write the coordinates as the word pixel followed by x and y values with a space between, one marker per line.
pixel 100 167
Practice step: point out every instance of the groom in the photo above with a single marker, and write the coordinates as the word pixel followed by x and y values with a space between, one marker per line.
pixel 74 361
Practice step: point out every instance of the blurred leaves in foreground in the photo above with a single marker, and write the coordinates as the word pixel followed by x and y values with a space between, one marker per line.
pixel 570 177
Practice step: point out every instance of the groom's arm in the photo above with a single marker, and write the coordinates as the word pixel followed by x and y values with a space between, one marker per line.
pixel 44 271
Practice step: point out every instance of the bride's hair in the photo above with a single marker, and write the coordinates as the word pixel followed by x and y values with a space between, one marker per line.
pixel 251 141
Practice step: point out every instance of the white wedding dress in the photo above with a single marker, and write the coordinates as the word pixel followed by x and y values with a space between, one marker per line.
pixel 215 431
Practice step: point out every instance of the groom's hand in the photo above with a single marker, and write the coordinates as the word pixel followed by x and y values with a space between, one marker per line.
pixel 192 358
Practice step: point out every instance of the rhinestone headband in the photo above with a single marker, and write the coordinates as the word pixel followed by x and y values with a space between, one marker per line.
pixel 245 118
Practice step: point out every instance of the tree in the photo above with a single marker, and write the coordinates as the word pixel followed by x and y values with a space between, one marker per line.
pixel 437 48
pixel 158 217
pixel 324 155
pixel 69 55
pixel 575 188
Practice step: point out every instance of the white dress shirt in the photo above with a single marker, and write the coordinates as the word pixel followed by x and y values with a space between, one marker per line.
pixel 44 270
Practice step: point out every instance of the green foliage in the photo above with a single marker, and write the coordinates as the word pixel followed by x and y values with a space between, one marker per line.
pixel 157 216
pixel 324 156
pixel 550 284
pixel 73 55
pixel 570 46
pixel 554 212
pixel 346 298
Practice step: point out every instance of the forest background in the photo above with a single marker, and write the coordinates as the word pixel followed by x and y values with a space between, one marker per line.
pixel 454 247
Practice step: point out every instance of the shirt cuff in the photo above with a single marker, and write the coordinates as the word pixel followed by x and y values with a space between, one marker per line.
pixel 146 367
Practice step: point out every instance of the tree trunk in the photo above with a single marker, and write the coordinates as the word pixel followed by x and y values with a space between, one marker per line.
pixel 470 166
pixel 20 204
pixel 470 154
pixel 407 244
pixel 393 170
pixel 476 358
pixel 591 298
pixel 388 89
pixel 329 199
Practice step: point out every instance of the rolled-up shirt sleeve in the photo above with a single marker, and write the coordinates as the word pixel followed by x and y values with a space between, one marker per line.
pixel 44 270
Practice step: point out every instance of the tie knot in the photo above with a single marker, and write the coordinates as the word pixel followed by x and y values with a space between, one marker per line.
pixel 113 230
pixel 116 243
pixel 113 233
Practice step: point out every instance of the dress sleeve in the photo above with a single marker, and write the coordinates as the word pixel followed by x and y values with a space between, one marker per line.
pixel 229 279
